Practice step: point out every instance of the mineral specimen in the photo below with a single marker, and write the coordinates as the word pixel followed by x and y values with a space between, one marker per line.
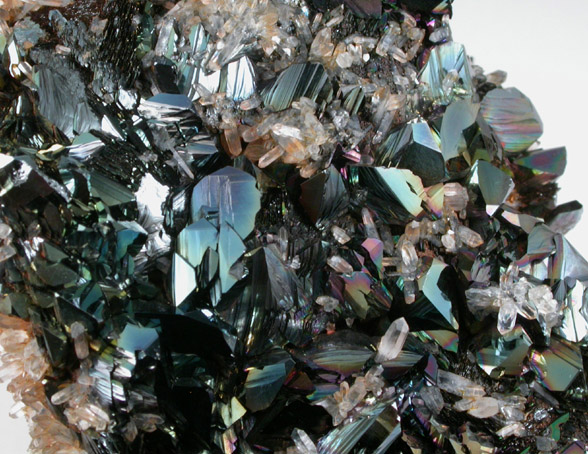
pixel 279 226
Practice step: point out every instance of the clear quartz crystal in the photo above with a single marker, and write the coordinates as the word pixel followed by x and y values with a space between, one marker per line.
pixel 322 45
pixel 464 404
pixel 5 231
pixel 546 444
pixel 449 241
pixel 303 443
pixel 354 396
pixel 250 134
pixel 449 81
pixel 455 196
pixel 516 429
pixel 340 235
pixel 484 407
pixel 64 395
pixel 413 231
pixel 250 103
pixel 328 303
pixel 148 422
pixel 371 230
pixel 496 77
pixel 507 316
pixel 409 256
pixel 373 380
pixel 271 156
pixel 392 341
pixel 433 399
pixel 458 385
pixel 6 251
pixel 283 130
pixel 339 264
pixel 409 290
pixel 469 237
pixel 344 60
pixel 514 296
pixel 78 334
pixel 130 431
pixel 512 413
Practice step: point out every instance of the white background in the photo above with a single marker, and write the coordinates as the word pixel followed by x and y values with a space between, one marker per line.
pixel 542 46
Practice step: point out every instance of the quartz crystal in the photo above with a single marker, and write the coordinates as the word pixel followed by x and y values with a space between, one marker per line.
pixel 458 385
pixel 516 296
pixel 392 341
pixel 433 399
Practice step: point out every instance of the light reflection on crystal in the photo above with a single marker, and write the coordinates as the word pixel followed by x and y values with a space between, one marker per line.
pixel 446 74
pixel 574 324
pixel 342 440
pixel 576 447
pixel 238 79
pixel 361 292
pixel 551 161
pixel 195 239
pixel 459 115
pixel 309 80
pixel 446 339
pixel 405 186
pixel 428 284
pixel 413 147
pixel 230 249
pixel 135 338
pixel 512 117
pixel 183 279
pixel 494 184
pixel 558 365
pixel 233 193
pixel 504 354
pixel 263 385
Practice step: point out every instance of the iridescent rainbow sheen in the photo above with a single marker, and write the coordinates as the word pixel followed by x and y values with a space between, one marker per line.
pixel 504 354
pixel 557 366
pixel 512 117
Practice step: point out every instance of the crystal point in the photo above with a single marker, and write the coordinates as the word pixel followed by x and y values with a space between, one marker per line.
pixel 392 341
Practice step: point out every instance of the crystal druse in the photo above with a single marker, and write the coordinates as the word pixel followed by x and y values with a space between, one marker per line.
pixel 279 226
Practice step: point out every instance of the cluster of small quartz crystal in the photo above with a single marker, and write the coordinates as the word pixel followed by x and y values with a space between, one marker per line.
pixel 26 363
pixel 400 41
pixel 447 233
pixel 295 136
pixel 508 410
pixel 366 390
pixel 83 411
pixel 344 401
pixel 300 134
pixel 23 367
pixel 516 295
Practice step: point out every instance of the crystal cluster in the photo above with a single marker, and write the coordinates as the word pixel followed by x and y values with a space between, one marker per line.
pixel 516 296
pixel 279 226
pixel 23 367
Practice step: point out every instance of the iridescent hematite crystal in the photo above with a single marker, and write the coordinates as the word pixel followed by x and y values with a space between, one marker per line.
pixel 512 117
pixel 447 74
pixel 233 194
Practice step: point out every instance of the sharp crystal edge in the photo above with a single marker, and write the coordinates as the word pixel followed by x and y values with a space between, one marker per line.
pixel 279 226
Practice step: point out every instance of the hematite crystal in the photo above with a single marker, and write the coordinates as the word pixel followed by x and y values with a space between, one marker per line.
pixel 272 226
